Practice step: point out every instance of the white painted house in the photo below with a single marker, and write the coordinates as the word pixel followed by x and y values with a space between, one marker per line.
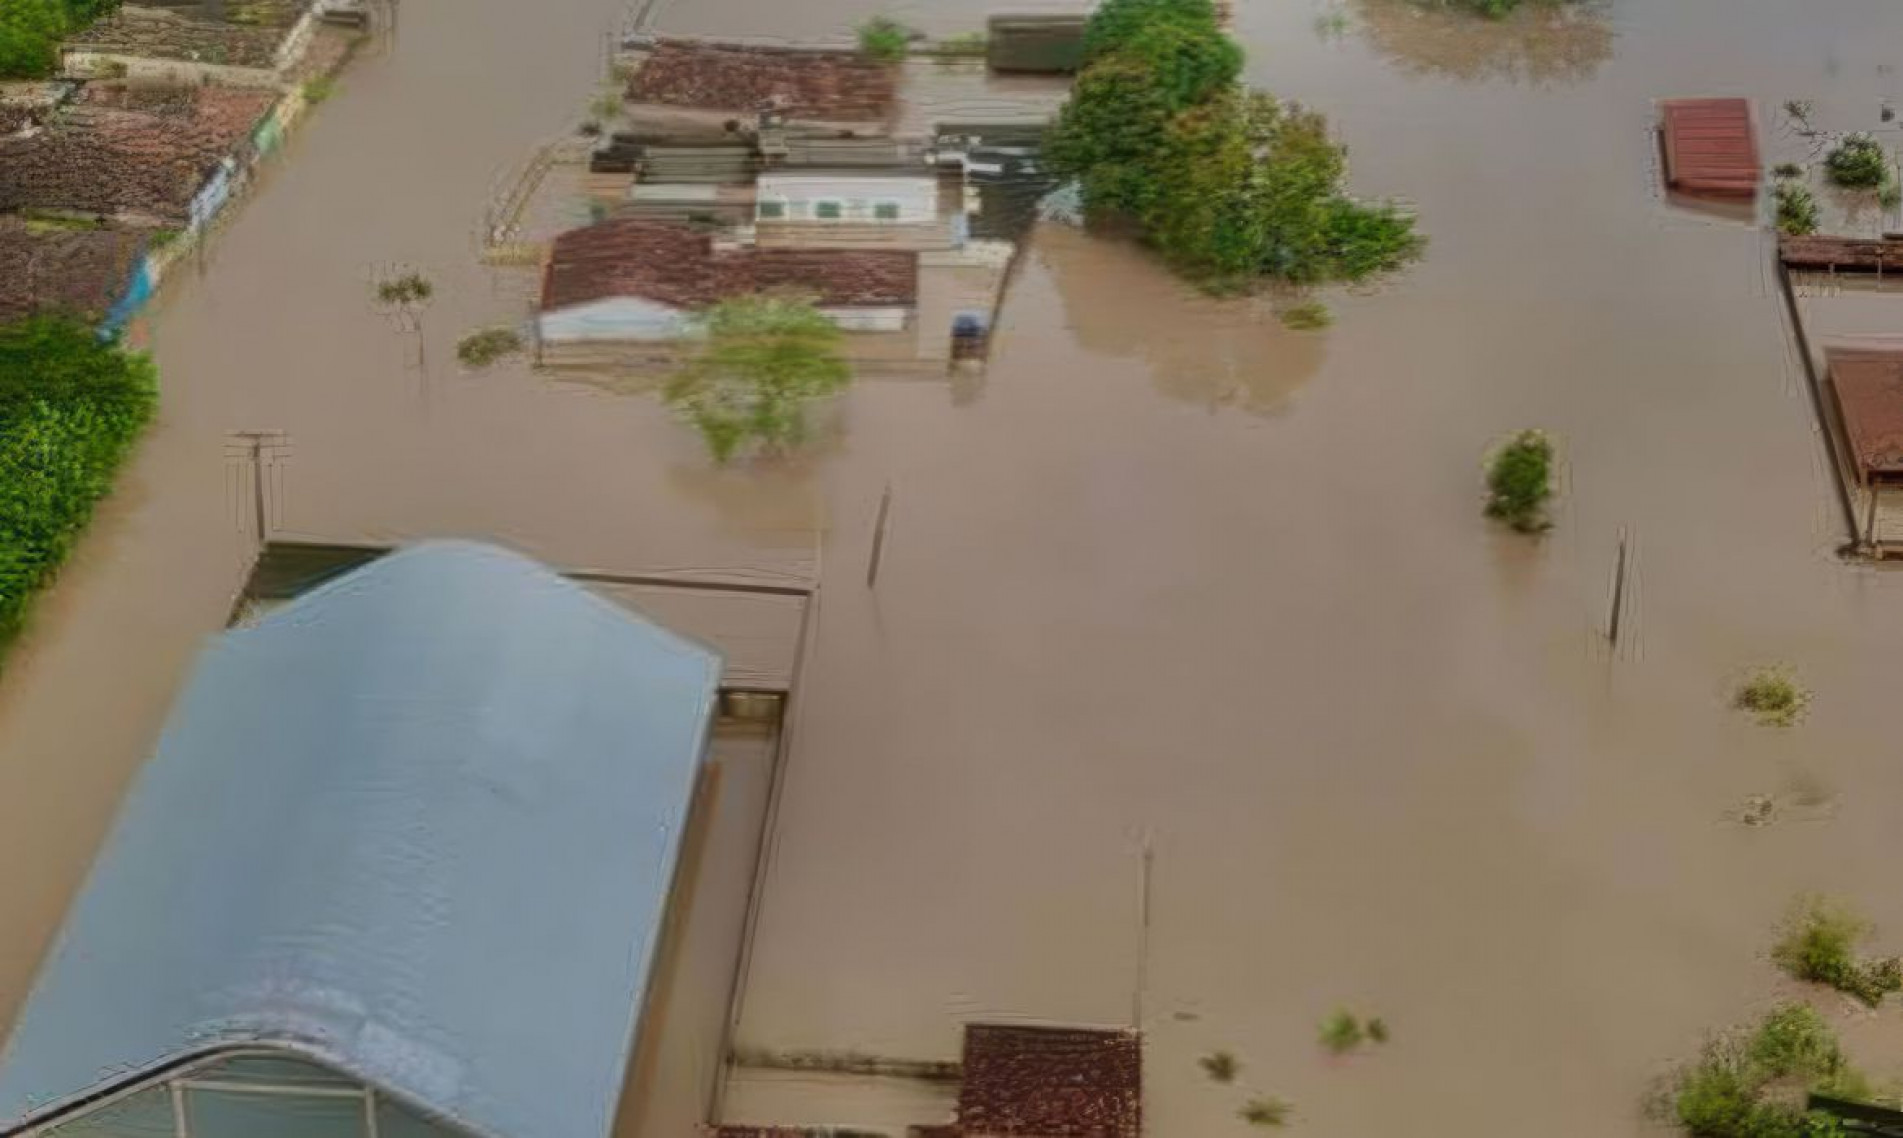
pixel 642 279
pixel 859 197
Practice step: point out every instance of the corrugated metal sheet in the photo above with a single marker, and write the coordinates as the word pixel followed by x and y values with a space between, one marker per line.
pixel 418 825
pixel 1038 44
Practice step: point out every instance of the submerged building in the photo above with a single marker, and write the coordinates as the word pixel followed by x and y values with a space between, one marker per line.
pixel 412 859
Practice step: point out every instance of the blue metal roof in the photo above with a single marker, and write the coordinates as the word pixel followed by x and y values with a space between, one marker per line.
pixel 419 825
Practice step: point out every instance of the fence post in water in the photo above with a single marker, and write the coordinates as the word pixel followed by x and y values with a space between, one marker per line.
pixel 1618 594
pixel 1143 934
pixel 878 537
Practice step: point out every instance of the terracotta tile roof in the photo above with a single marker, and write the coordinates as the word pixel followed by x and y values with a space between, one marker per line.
pixel 83 271
pixel 676 265
pixel 248 35
pixel 1051 1082
pixel 111 154
pixel 1710 146
pixel 838 86
pixel 1868 384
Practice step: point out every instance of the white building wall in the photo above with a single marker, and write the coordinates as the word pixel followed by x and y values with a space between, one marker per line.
pixel 799 197
pixel 613 318
pixel 867 319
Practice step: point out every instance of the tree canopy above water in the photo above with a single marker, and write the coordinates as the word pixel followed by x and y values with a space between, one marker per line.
pixel 1230 185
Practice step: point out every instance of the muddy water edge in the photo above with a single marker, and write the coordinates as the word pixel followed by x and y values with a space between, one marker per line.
pixel 1169 576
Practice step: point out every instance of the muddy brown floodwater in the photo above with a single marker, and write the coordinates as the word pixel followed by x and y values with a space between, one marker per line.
pixel 1172 576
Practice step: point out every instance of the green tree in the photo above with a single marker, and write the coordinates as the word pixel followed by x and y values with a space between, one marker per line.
pixel 1116 22
pixel 1520 481
pixel 80 13
pixel 71 406
pixel 30 31
pixel 763 359
pixel 1111 135
pixel 884 39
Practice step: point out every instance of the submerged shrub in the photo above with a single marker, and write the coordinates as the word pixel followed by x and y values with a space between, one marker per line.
pixel 884 39
pixel 1268 1112
pixel 1520 482
pixel 1220 1066
pixel 480 349
pixel 1751 1083
pixel 1773 696
pixel 1796 209
pixel 1341 1033
pixel 1308 316
pixel 1859 162
pixel 1820 945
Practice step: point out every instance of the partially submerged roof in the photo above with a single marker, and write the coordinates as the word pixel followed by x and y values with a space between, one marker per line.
pixel 1051 1082
pixel 83 271
pixel 679 266
pixel 418 825
pixel 802 83
pixel 1710 146
pixel 236 33
pixel 1868 382
pixel 128 150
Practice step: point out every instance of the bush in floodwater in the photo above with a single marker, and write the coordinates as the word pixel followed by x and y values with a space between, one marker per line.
pixel 1308 316
pixel 1220 1066
pixel 884 39
pixel 480 349
pixel 1268 1112
pixel 1377 1030
pixel 1796 209
pixel 1520 482
pixel 1787 170
pixel 1859 162
pixel 1341 1033
pixel 1773 696
pixel 761 361
pixel 1819 944
pixel 1751 1083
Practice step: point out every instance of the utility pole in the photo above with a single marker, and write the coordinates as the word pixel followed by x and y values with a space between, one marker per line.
pixel 1618 594
pixel 878 537
pixel 254 443
pixel 1147 859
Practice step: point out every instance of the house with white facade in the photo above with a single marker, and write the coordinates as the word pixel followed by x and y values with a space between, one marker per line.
pixel 893 208
pixel 635 279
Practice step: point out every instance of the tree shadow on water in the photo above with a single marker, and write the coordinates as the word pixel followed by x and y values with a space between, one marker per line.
pixel 1542 42
pixel 1210 351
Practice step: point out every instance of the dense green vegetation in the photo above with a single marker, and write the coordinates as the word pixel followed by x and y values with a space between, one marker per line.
pixel 1796 208
pixel 30 32
pixel 1751 1083
pixel 1772 695
pixel 763 359
pixel 1859 162
pixel 1520 482
pixel 1819 944
pixel 70 408
pixel 1230 185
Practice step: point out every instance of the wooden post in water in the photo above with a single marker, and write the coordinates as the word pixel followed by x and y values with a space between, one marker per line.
pixel 1618 594
pixel 1148 859
pixel 878 537
pixel 257 439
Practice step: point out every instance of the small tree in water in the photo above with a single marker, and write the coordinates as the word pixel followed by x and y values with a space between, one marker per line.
pixel 765 358
pixel 405 296
pixel 1520 482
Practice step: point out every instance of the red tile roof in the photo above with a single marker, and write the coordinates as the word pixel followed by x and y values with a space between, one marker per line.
pixel 126 153
pixel 1868 384
pixel 1051 1082
pixel 1710 147
pixel 678 266
pixel 837 86
pixel 83 271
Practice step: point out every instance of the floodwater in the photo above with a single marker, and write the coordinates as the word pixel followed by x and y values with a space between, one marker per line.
pixel 1170 578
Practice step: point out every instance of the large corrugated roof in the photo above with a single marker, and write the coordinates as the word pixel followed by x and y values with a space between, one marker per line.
pixel 419 825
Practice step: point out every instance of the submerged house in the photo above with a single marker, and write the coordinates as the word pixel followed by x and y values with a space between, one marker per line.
pixel 695 88
pixel 409 862
pixel 636 279
pixel 857 209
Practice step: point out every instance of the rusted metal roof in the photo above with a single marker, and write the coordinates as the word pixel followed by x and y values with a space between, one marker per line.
pixel 679 266
pixel 1868 385
pixel 1842 254
pixel 1051 1082
pixel 1710 146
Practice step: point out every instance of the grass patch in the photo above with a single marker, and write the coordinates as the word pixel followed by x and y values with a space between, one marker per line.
pixel 884 39
pixel 1308 316
pixel 1268 1112
pixel 1750 1083
pixel 480 349
pixel 1220 1066
pixel 1819 944
pixel 319 89
pixel 1342 1033
pixel 1520 482
pixel 1859 162
pixel 965 45
pixel 71 407
pixel 1772 695
pixel 1796 209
